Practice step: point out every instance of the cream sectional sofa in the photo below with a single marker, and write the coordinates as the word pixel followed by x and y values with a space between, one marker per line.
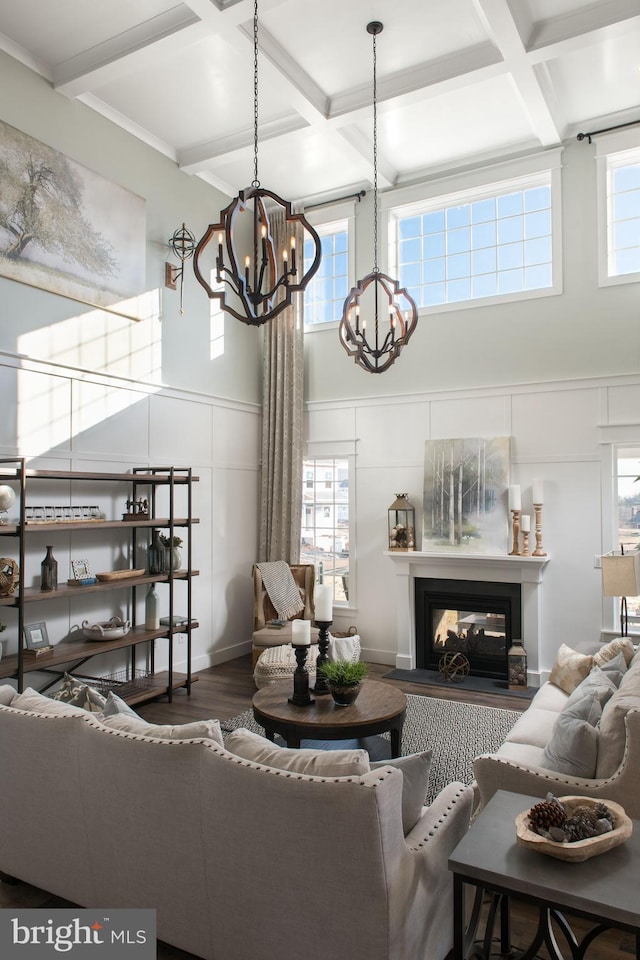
pixel 241 860
pixel 604 737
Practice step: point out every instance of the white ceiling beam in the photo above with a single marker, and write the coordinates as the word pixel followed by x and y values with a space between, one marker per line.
pixel 505 32
pixel 363 147
pixel 195 159
pixel 147 44
pixel 303 94
pixel 7 45
pixel 586 26
pixel 423 82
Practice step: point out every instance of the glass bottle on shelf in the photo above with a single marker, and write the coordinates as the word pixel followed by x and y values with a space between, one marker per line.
pixel 156 554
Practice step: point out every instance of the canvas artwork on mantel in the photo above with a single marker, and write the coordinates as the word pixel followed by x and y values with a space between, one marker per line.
pixel 66 229
pixel 465 495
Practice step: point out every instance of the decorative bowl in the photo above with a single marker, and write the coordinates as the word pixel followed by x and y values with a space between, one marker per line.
pixel 580 849
pixel 106 629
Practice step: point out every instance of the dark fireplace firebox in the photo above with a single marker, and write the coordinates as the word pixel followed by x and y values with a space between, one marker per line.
pixel 479 619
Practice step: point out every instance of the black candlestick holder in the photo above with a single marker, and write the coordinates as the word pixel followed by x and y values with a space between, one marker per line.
pixel 301 696
pixel 323 655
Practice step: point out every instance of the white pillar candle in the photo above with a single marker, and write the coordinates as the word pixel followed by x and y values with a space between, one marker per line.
pixel 515 502
pixel 301 633
pixel 324 603
pixel 537 487
pixel 525 523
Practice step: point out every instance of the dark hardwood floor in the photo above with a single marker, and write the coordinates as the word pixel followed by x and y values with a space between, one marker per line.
pixel 225 691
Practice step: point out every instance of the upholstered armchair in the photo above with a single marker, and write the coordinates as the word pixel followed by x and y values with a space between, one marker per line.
pixel 264 611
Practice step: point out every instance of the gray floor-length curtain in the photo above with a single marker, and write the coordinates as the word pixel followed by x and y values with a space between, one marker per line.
pixel 282 409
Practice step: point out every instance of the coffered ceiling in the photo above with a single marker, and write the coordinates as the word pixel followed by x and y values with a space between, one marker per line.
pixel 459 81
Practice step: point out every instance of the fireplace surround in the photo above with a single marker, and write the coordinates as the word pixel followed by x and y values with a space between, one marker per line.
pixel 528 572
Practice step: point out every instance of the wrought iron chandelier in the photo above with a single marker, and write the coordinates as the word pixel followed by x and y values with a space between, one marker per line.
pixel 254 281
pixel 375 347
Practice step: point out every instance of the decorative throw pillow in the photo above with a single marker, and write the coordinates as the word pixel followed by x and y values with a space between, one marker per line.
pixel 613 732
pixel 599 685
pixel 317 763
pixel 415 782
pixel 35 702
pixel 609 650
pixel 209 729
pixel 78 693
pixel 570 668
pixel 573 747
pixel 614 669
pixel 114 705
pixel 7 694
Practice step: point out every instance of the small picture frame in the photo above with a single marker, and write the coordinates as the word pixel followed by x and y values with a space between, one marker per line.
pixel 36 636
pixel 81 570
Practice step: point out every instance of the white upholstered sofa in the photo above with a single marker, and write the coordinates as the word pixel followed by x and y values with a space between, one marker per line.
pixel 241 861
pixel 605 745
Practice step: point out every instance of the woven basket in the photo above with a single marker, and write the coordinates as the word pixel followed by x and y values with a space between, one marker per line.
pixel 351 632
pixel 9 576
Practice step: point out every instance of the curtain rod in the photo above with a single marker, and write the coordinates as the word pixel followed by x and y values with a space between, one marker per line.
pixel 329 203
pixel 594 133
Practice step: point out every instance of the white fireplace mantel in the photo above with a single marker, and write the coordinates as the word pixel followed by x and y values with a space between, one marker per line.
pixel 501 568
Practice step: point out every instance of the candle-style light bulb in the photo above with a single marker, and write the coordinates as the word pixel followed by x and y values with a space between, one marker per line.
pixel 293 254
pixel 247 264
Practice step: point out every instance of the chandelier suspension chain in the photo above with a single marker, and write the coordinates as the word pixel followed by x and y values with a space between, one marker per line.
pixel 375 159
pixel 256 182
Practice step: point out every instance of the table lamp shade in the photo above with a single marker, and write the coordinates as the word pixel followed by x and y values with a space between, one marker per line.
pixel 621 575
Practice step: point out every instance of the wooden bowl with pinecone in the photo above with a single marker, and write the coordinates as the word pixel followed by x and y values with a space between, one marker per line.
pixel 573 828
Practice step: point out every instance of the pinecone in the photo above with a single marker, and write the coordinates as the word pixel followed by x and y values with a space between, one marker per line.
pixel 602 812
pixel 585 812
pixel 579 828
pixel 548 813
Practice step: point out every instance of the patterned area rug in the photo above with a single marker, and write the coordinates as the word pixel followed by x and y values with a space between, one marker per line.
pixel 456 732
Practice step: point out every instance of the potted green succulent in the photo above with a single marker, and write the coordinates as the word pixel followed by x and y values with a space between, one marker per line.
pixel 172 552
pixel 344 679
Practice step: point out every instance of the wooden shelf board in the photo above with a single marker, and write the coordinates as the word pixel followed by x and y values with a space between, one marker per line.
pixel 65 591
pixel 158 687
pixel 67 651
pixel 152 478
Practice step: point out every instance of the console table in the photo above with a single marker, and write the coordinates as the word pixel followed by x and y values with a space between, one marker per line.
pixel 603 889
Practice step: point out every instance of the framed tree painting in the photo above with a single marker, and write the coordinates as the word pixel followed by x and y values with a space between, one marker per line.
pixel 66 229
pixel 465 490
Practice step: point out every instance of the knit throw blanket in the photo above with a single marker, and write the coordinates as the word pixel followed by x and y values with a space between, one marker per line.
pixel 281 588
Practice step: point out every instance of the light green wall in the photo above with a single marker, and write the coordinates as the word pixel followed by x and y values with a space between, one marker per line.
pixel 586 331
pixel 28 102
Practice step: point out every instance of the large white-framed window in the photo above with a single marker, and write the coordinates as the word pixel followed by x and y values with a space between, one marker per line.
pixel 327 514
pixel 325 295
pixel 498 238
pixel 626 511
pixel 618 160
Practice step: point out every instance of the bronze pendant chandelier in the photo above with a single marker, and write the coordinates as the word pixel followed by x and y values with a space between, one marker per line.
pixel 375 345
pixel 254 282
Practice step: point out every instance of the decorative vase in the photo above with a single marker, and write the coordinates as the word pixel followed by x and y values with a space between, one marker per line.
pixel 152 609
pixel 172 559
pixel 344 696
pixel 49 571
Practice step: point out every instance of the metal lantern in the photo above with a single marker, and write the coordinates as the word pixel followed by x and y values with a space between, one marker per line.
pixel 517 666
pixel 402 524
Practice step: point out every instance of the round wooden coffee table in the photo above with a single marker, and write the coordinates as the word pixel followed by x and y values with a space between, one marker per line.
pixel 379 707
